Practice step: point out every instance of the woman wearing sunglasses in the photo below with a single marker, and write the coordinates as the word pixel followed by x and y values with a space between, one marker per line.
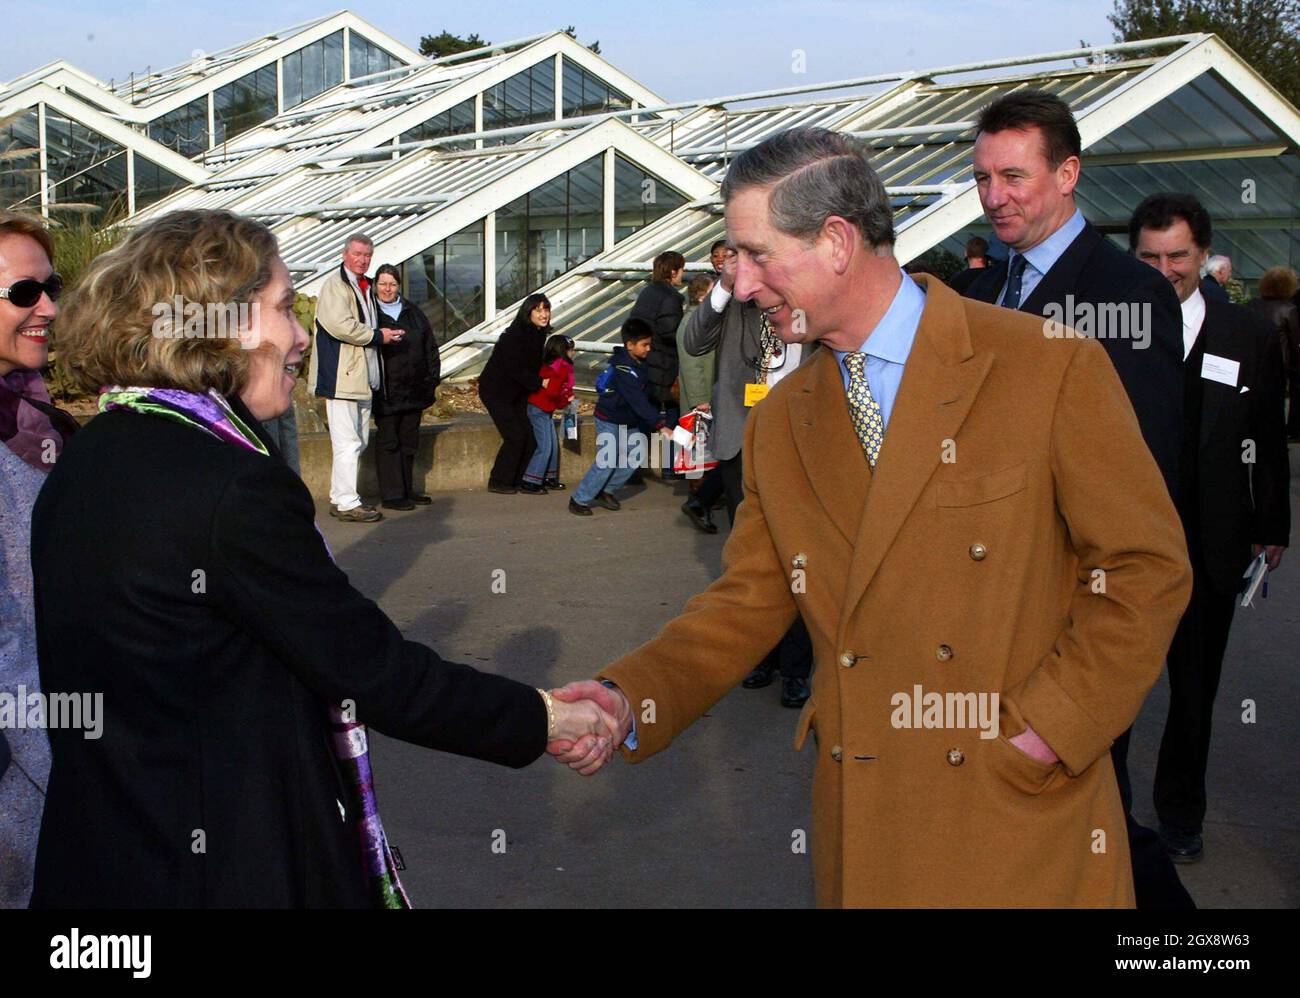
pixel 31 444
pixel 179 574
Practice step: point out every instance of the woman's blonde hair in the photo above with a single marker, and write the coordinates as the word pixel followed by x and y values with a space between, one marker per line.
pixel 131 321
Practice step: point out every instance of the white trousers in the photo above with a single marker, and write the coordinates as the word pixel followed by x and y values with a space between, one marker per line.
pixel 349 423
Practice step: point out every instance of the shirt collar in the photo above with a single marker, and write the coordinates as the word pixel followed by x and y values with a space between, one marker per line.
pixel 892 338
pixel 1194 310
pixel 1046 253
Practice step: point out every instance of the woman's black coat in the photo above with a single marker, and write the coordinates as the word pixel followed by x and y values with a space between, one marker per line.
pixel 661 306
pixel 511 373
pixel 412 365
pixel 183 578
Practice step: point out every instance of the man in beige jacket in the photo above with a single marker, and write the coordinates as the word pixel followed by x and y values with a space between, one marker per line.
pixel 347 369
pixel 964 513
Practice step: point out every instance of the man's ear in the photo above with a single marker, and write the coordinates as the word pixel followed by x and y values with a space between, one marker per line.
pixel 840 237
pixel 1067 174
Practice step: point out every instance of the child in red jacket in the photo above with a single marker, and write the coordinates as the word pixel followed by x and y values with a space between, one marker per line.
pixel 543 471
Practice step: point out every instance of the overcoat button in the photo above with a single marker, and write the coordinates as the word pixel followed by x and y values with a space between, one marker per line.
pixel 956 757
pixel 943 653
pixel 848 660
pixel 800 560
pixel 978 551
pixel 837 753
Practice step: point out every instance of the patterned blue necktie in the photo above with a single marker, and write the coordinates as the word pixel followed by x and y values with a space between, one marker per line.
pixel 1015 274
pixel 863 409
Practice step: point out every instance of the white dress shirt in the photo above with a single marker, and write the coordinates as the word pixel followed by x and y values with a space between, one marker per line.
pixel 1193 319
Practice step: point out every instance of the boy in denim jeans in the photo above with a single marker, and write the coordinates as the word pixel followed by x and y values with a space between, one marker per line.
pixel 622 403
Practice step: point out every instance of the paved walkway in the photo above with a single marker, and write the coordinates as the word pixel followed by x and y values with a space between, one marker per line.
pixel 711 821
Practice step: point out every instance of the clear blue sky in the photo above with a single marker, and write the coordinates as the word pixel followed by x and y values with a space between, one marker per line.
pixel 678 49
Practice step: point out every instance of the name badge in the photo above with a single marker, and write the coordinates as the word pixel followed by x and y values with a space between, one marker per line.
pixel 1220 369
pixel 755 394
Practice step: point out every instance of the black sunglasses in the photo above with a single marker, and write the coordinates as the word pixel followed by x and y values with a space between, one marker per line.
pixel 27 293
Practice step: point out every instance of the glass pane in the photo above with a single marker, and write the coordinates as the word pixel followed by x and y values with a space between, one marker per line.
pixel 291 74
pixel 313 70
pixel 333 45
pixel 247 102
pixel 184 130
pixel 543 97
pixel 512 255
pixel 586 211
pixel 153 182
pixel 446 281
pixel 639 198
pixel 84 166
pixel 20 178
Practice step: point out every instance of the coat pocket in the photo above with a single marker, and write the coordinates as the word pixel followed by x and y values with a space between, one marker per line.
pixel 986 488
pixel 1021 770
pixel 804 725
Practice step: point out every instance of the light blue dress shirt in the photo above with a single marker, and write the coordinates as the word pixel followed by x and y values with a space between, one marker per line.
pixel 1039 260
pixel 889 345
pixel 887 350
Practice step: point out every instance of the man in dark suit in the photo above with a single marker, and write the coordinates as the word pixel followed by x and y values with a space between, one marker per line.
pixel 1026 166
pixel 1233 494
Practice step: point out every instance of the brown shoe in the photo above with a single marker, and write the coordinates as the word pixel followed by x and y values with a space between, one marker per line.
pixel 360 514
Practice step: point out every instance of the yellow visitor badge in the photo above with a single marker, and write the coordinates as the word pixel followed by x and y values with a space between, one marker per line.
pixel 755 394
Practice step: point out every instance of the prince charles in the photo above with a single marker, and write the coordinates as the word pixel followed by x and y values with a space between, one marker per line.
pixel 963 511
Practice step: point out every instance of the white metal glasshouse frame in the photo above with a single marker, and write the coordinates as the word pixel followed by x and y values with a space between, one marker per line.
pixel 920 116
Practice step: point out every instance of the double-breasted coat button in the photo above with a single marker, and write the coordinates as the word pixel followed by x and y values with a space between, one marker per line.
pixel 978 551
pixel 837 753
pixel 943 653
pixel 800 560
pixel 848 660
pixel 956 757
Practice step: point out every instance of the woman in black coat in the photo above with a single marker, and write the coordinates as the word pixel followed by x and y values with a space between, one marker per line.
pixel 412 370
pixel 508 378
pixel 179 576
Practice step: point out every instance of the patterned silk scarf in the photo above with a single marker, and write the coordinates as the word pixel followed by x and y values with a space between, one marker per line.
pixel 213 415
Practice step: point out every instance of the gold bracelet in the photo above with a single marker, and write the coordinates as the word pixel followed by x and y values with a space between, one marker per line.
pixel 550 713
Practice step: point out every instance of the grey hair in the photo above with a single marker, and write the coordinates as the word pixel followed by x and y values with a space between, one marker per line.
pixel 358 237
pixel 815 173
pixel 1217 263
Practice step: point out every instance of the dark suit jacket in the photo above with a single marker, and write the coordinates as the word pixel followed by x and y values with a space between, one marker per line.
pixel 1095 272
pixel 1229 503
pixel 1212 290
pixel 184 578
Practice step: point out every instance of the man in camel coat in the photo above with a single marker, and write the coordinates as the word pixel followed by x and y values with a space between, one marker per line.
pixel 959 503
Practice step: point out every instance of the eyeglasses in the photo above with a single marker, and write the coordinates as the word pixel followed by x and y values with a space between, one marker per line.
pixel 27 293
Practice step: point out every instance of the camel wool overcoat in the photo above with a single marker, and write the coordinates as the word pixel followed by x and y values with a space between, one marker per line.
pixel 1015 539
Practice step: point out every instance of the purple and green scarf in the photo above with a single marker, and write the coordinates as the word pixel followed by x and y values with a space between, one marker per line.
pixel 212 414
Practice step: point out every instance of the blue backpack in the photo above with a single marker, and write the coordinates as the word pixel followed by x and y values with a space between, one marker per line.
pixel 605 383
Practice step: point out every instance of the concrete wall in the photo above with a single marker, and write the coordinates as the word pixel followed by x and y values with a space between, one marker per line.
pixel 454 455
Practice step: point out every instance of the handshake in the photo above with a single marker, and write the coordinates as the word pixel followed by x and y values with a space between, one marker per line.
pixel 591 721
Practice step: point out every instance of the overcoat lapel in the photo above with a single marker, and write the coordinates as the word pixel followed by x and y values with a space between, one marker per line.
pixel 830 451
pixel 940 381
